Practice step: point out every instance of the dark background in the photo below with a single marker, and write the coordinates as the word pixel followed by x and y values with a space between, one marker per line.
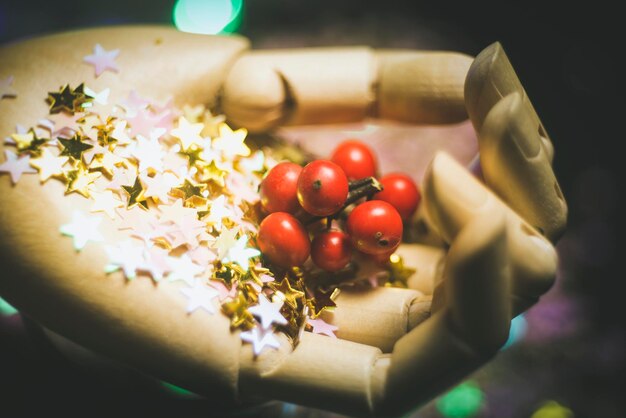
pixel 569 60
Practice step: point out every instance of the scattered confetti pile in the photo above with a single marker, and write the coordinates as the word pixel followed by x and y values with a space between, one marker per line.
pixel 182 186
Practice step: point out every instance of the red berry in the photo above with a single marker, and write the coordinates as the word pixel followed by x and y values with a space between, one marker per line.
pixel 283 240
pixel 331 250
pixel 356 159
pixel 375 227
pixel 401 192
pixel 278 188
pixel 322 188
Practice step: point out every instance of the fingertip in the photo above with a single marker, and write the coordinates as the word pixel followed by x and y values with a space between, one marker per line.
pixel 517 168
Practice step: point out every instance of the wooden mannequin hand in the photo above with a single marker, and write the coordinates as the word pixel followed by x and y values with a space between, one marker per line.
pixel 497 265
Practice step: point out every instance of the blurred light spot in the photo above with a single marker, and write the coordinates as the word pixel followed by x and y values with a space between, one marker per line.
pixel 552 409
pixel 207 17
pixel 463 401
pixel 183 393
pixel 288 410
pixel 517 331
pixel 6 309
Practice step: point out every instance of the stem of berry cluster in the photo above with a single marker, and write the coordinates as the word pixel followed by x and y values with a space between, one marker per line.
pixel 357 190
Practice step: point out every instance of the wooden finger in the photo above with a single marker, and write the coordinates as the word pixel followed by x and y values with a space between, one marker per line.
pixel 490 78
pixel 517 168
pixel 453 197
pixel 458 338
pixel 271 88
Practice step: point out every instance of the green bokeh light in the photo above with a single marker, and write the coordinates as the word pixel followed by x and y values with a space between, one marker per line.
pixel 208 17
pixel 463 401
pixel 6 309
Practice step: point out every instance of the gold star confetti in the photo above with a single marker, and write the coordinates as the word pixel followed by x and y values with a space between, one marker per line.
pixel 79 180
pixel 135 194
pixel 68 100
pixel 399 274
pixel 212 173
pixel 237 310
pixel 106 163
pixel 288 294
pixel 190 193
pixel 29 142
pixel 74 147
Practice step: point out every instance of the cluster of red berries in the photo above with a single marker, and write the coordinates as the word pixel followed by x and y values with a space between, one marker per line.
pixel 294 196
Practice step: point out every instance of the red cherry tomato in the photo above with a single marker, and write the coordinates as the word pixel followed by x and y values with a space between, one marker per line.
pixel 322 188
pixel 331 250
pixel 375 227
pixel 278 188
pixel 401 192
pixel 356 159
pixel 283 240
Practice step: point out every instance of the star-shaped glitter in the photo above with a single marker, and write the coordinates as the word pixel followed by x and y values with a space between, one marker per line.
pixel 159 186
pixel 255 163
pixel 186 231
pixel 106 162
pixel 284 291
pixel 100 98
pixel 203 256
pixel 65 124
pixel 240 253
pixel 231 143
pixel 5 87
pixel 225 241
pixel 102 59
pixel 74 147
pixel 224 292
pixel 174 212
pixel 68 99
pixel 268 312
pixel 182 268
pixel 260 339
pixel 82 229
pixel 125 255
pixel 319 326
pixel 149 153
pixel 48 165
pixel 190 192
pixel 28 142
pixel 199 296
pixel 188 133
pixel 212 172
pixel 119 133
pixel 143 123
pixel 79 180
pixel 106 202
pixel 16 166
pixel 155 263
pixel 219 211
pixel 135 194
pixel 134 102
pixel 237 310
